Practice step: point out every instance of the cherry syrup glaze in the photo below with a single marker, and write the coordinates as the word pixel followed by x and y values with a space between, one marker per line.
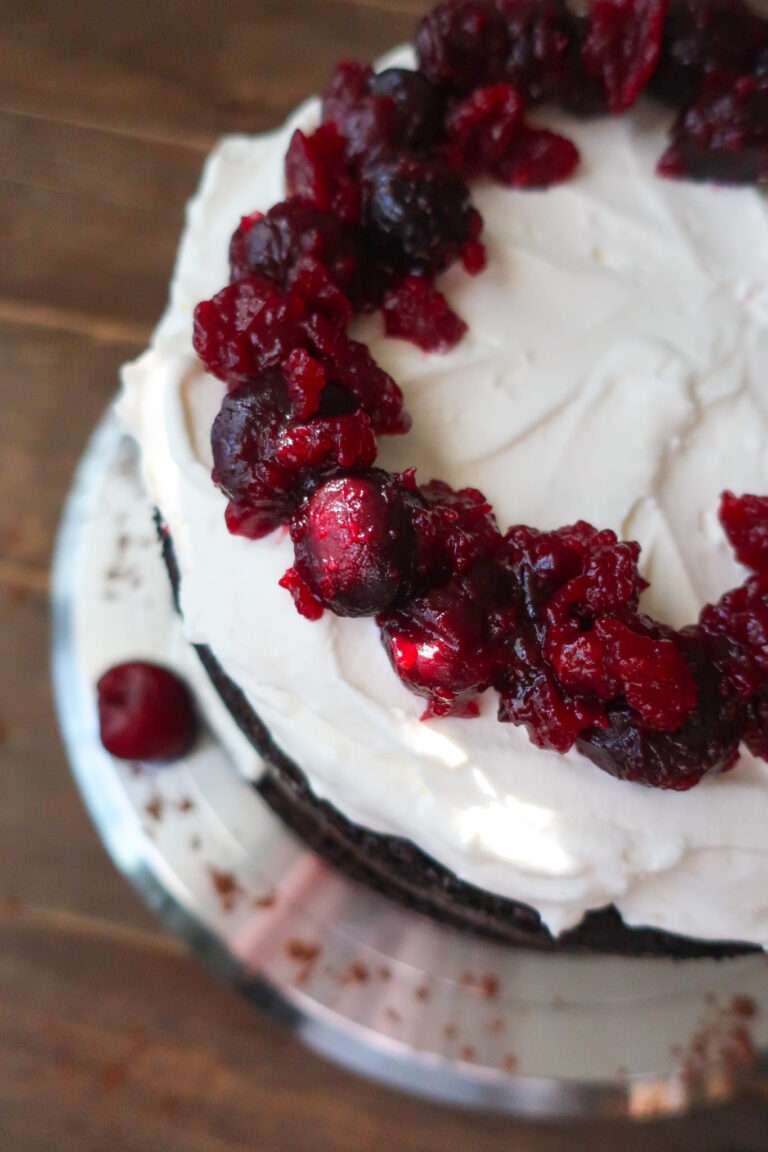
pixel 378 207
pixel 145 712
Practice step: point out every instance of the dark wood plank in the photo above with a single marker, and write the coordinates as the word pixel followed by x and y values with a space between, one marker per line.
pixel 89 221
pixel 184 69
pixel 54 386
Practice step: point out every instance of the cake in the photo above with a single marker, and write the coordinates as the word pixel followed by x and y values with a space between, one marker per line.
pixel 604 366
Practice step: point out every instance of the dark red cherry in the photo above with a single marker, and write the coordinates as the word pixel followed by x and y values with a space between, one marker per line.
pixel 745 520
pixel 702 36
pixel 439 646
pixel 418 214
pixel 354 541
pixel 317 171
pixel 723 136
pixel 145 712
pixel 414 310
pixel 463 43
pixel 539 33
pixel 417 106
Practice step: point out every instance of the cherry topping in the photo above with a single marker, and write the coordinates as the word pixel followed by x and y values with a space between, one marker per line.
pixel 364 120
pixel 318 172
pixel 353 541
pixel 538 159
pixel 416 311
pixel 417 107
pixel 745 520
pixel 145 712
pixel 248 327
pixel 702 36
pixel 291 238
pixel 418 213
pixel 463 43
pixel 482 128
pixel 539 33
pixel 723 136
pixel 707 741
pixel 454 530
pixel 652 674
pixel 441 645
pixel 531 696
pixel 622 47
pixel 265 458
pixel 378 208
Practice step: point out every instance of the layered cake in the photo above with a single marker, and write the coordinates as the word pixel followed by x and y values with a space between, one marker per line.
pixel 413 334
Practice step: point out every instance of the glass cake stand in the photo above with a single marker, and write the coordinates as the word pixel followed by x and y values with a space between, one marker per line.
pixel 378 988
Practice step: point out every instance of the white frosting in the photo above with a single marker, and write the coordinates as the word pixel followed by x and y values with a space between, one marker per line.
pixel 616 370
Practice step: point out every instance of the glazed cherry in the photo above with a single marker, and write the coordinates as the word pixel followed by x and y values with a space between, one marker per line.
pixel 317 171
pixel 353 543
pixel 702 36
pixel 531 696
pixel 439 647
pixel 706 742
pixel 145 712
pixel 482 128
pixel 652 674
pixel 745 520
pixel 248 327
pixel 291 236
pixel 417 106
pixel 365 121
pixel 723 136
pixel 265 458
pixel 454 530
pixel 538 159
pixel 539 33
pixel 414 310
pixel 622 47
pixel 418 214
pixel 463 43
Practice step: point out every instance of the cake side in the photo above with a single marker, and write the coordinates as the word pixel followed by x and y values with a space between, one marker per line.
pixel 401 871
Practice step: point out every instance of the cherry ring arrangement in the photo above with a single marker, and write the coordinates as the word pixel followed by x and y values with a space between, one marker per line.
pixel 377 207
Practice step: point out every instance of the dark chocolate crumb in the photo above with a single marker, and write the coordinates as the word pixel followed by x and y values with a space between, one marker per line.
pixel 357 973
pixel 227 888
pixel 155 808
pixel 744 1007
pixel 302 950
pixel 268 900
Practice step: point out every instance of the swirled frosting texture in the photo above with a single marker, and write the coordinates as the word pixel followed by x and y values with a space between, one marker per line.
pixel 615 370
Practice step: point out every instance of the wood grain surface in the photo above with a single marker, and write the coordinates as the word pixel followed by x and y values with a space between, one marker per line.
pixel 111 1036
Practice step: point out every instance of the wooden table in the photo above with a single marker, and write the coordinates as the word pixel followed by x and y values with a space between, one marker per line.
pixel 111 1036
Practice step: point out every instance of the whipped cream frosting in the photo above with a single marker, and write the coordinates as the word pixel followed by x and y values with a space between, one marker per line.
pixel 615 370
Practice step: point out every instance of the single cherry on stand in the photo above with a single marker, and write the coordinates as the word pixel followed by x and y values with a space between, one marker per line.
pixel 146 712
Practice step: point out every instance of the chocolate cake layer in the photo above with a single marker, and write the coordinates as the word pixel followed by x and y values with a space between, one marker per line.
pixel 401 871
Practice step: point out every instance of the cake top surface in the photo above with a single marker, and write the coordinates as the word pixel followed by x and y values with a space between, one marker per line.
pixel 615 351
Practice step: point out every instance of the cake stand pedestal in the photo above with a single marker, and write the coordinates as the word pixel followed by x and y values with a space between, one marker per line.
pixel 371 985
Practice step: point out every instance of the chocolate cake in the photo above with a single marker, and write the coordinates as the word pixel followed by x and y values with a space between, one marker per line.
pixel 576 320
